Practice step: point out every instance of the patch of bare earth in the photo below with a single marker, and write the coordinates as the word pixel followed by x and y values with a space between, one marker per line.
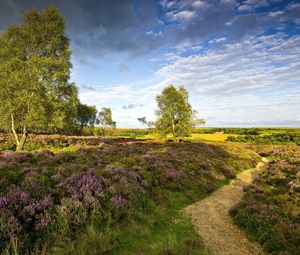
pixel 214 224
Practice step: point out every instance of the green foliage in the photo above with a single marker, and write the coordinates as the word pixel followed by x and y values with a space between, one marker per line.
pixel 106 122
pixel 174 113
pixel 86 115
pixel 238 131
pixel 34 72
pixel 105 118
pixel 276 138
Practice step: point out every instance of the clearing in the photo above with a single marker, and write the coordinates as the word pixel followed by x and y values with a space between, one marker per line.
pixel 214 224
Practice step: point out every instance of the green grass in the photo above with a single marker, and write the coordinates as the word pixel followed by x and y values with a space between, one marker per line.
pixel 164 230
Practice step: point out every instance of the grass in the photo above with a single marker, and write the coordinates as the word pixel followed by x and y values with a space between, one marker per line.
pixel 166 231
pixel 163 231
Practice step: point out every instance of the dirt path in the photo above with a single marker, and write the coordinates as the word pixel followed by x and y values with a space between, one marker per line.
pixel 215 226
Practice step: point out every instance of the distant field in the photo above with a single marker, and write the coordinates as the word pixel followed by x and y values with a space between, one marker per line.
pixel 211 137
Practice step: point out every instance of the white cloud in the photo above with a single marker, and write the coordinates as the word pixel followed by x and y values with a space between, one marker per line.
pixel 238 82
pixel 153 33
pixel 218 40
pixel 293 6
pixel 167 3
pixel 245 8
pixel 252 82
pixel 275 14
pixel 257 3
pixel 198 4
pixel 182 15
pixel 255 63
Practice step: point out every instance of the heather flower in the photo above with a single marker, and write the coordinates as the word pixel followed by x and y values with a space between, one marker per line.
pixel 27 170
pixel 39 205
pixel 115 171
pixel 3 202
pixel 11 156
pixel 19 197
pixel 101 165
pixel 118 201
pixel 134 175
pixel 145 184
pixel 173 175
pixel 56 177
pixel 45 154
pixel 87 186
pixel 44 222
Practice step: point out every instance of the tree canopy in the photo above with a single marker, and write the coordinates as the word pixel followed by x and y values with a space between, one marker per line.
pixel 105 118
pixel 86 115
pixel 35 67
pixel 174 114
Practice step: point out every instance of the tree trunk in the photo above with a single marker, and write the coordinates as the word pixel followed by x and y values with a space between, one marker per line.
pixel 173 132
pixel 20 143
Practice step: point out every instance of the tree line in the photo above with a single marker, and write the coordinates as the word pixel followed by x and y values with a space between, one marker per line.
pixel 37 97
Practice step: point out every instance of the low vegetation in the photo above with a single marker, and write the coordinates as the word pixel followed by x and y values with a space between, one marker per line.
pixel 275 138
pixel 269 211
pixel 103 196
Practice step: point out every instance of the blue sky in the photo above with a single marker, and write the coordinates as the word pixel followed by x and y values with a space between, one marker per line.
pixel 239 60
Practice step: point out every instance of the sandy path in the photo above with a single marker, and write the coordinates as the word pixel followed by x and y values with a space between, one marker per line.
pixel 215 226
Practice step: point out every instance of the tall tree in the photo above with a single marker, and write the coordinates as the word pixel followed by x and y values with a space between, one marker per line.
pixel 86 115
pixel 174 114
pixel 34 73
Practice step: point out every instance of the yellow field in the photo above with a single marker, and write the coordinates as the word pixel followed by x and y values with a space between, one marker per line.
pixel 217 137
pixel 211 137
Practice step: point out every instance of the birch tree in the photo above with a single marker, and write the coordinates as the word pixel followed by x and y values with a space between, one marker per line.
pixel 174 114
pixel 34 73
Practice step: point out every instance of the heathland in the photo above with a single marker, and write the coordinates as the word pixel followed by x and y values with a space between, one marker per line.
pixel 122 195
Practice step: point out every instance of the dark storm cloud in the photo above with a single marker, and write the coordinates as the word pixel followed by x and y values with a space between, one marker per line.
pixel 97 28
pixel 100 28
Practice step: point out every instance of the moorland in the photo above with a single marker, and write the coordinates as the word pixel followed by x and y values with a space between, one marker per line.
pixel 124 195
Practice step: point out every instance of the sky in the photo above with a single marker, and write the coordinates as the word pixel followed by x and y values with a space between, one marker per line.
pixel 239 59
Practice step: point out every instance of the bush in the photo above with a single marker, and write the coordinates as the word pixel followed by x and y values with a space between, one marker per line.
pixel 277 138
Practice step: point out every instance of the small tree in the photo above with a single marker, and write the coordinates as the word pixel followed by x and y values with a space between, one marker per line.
pixel 34 72
pixel 144 121
pixel 86 116
pixel 105 119
pixel 197 121
pixel 174 114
